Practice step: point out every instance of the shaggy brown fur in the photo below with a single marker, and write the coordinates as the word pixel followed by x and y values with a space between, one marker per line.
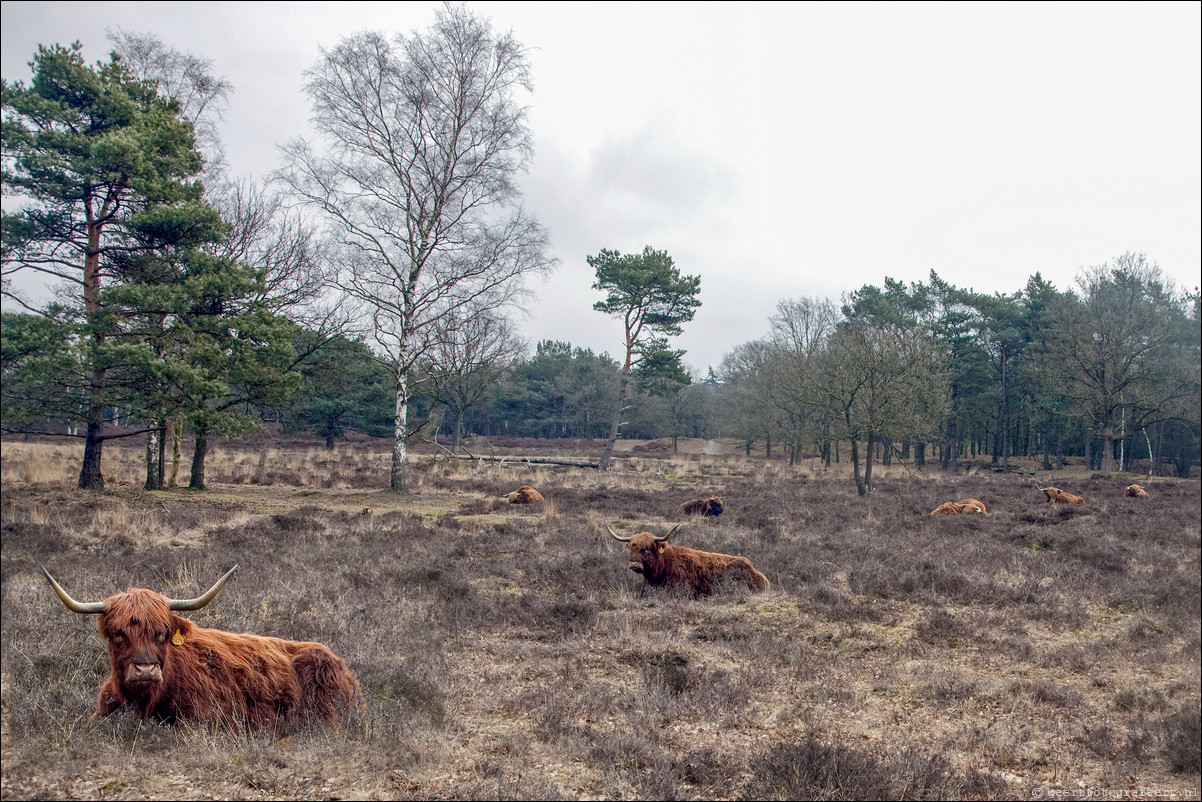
pixel 1135 491
pixel 663 564
pixel 711 506
pixel 164 666
pixel 1055 494
pixel 973 505
pixel 524 495
pixel 952 508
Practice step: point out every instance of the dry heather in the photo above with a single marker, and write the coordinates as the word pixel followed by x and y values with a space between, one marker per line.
pixel 505 652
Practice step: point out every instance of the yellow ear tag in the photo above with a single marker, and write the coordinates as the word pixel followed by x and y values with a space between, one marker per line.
pixel 177 638
pixel 661 549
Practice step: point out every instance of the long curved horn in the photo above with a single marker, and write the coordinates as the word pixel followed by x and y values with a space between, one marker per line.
pixel 616 535
pixel 89 608
pixel 662 538
pixel 183 605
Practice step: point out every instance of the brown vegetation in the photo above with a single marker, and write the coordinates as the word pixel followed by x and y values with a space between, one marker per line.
pixel 502 655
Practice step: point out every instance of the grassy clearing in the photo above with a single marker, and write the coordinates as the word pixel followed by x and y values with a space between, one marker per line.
pixel 505 652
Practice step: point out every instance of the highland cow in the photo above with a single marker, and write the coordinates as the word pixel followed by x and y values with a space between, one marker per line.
pixel 952 508
pixel 973 505
pixel 1135 491
pixel 964 506
pixel 524 495
pixel 663 564
pixel 708 507
pixel 165 667
pixel 1055 494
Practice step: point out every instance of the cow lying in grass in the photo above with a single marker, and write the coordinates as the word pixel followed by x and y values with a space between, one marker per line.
pixel 1135 491
pixel 165 667
pixel 524 495
pixel 1058 496
pixel 663 564
pixel 967 506
pixel 708 507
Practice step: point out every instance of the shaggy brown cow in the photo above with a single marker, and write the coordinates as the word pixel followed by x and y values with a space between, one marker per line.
pixel 1055 494
pixel 165 667
pixel 1135 491
pixel 953 508
pixel 708 507
pixel 524 495
pixel 974 505
pixel 964 506
pixel 664 564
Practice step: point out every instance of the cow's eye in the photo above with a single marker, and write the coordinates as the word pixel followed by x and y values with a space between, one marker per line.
pixel 161 635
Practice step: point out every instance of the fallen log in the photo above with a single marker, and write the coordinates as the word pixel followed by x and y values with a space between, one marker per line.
pixel 572 461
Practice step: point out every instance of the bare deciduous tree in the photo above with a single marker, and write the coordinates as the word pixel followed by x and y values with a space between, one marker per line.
pixel 1121 343
pixel 203 97
pixel 473 353
pixel 882 380
pixel 799 328
pixel 425 139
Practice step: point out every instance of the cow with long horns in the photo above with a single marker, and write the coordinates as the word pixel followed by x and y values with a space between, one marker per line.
pixel 165 667
pixel 664 564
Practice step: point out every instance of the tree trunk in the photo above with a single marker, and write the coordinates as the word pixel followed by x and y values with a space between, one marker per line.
pixel 458 431
pixel 951 456
pixel 90 477
pixel 1108 440
pixel 400 431
pixel 199 452
pixel 1151 456
pixel 867 484
pixel 623 387
pixel 154 456
pixel 177 434
pixel 855 466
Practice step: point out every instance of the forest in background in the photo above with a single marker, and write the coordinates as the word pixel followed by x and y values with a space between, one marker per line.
pixel 355 292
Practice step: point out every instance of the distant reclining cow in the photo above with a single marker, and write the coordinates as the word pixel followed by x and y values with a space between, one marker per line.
pixel 708 507
pixel 1058 496
pixel 967 506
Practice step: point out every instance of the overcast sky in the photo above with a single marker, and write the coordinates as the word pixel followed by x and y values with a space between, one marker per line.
pixel 777 150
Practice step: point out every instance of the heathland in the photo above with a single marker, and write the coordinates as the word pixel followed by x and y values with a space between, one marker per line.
pixel 506 652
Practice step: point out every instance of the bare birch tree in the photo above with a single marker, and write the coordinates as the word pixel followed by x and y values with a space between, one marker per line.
pixel 425 137
pixel 187 79
pixel 466 366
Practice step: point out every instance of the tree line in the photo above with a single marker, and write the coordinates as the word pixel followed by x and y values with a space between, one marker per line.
pixel 369 284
